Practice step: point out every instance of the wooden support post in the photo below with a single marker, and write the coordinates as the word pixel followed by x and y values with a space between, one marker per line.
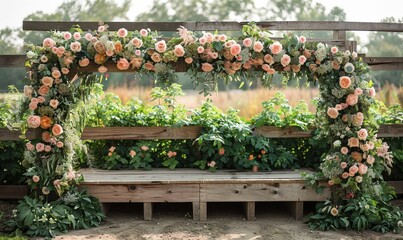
pixel 249 208
pixel 203 211
pixel 196 211
pixel 297 209
pixel 341 35
pixel 148 211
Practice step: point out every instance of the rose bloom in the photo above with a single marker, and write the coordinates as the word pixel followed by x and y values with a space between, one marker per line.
pixel 332 113
pixel 99 58
pixel 247 42
pixel 48 148
pixel 211 164
pixel 33 106
pixel 35 178
pixel 156 57
pixel 330 182
pixel 102 69
pixel 46 122
pixel 56 74
pixel 344 150
pixel 302 39
pixel 144 148
pixel 344 175
pixel 247 65
pixel 209 37
pixel 189 60
pixel 40 147
pixel 352 99
pixel 223 38
pixel 370 159
pixel 123 64
pixel 301 59
pixel 44 59
pixel 235 49
pixel 362 169
pixel 88 36
pixel 357 121
pixel 101 28
pixel 371 145
pixel 137 52
pixel 285 60
pixel 122 32
pixel 54 103
pixel 99 47
pixel 60 51
pixel 207 67
pixel 345 82
pixel 200 49
pixel 334 50
pixel 161 46
pixel 358 179
pixel 335 65
pixel 357 156
pixel 132 153
pixel 75 46
pixel 59 144
pixel 334 212
pixel 343 165
pixel 364 147
pixel 84 62
pixel 214 55
pixel 179 51
pixel 353 170
pixel 266 67
pixel 30 146
pixel 57 130
pixel 276 48
pixel 143 32
pixel 137 43
pixel 353 142
pixel 67 35
pixel 109 53
pixel 269 59
pixel 149 66
pixel 362 134
pixel 46 136
pixel 47 81
pixel 34 121
pixel 257 46
pixel 48 43
pixel 77 36
pixel 71 175
pixel 371 92
pixel 28 90
pixel 221 151
pixel 202 40
pixel 358 91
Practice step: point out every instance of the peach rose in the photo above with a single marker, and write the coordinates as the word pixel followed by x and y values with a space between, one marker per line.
pixel 235 49
pixel 344 118
pixel 370 159
pixel 109 52
pixel 214 55
pixel 144 148
pixel 34 121
pixel 46 136
pixel 44 58
pixel 122 32
pixel 123 64
pixel 362 169
pixel 344 175
pixel 330 182
pixel 301 59
pixel 33 105
pixel 276 48
pixel 102 69
pixel 223 38
pixel 143 32
pixel 56 182
pixel 40 147
pixel 334 50
pixel 76 36
pixel 48 148
pixel 47 81
pixel 371 145
pixel 257 46
pixel 344 150
pixel 137 43
pixel 302 39
pixel 362 134
pixel 269 59
pixel 100 47
pixel 156 57
pixel 353 169
pixel 59 144
pixel 357 156
pixel 189 60
pixel 364 147
pixel 75 46
pixel 371 92
pixel 343 165
pixel 200 49
pixel 35 178
pixel 285 60
pixel 56 74
pixel 179 51
pixel 203 40
pixel 345 82
pixel 88 36
pixel 149 66
pixel 161 46
pixel 46 122
pixel 99 58
pixel 84 62
pixel 57 130
pixel 358 91
pixel 247 42
pixel 247 65
pixel 352 99
pixel 335 65
pixel 209 37
pixel 332 113
pixel 221 151
pixel 30 146
pixel 48 43
pixel 54 103
pixel 307 54
pixel 353 142
pixel 207 67
pixel 60 51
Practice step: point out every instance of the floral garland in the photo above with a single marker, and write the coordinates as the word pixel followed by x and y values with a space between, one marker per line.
pixel 355 160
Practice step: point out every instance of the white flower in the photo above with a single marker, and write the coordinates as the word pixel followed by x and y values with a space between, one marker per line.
pixel 109 45
pixel 364 85
pixel 31 54
pixel 337 143
pixel 349 67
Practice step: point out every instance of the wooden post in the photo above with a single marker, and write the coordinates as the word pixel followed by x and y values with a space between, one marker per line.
pixel 297 209
pixel 196 211
pixel 249 208
pixel 341 35
pixel 148 211
pixel 203 211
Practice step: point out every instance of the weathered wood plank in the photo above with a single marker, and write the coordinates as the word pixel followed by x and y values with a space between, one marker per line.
pixel 390 130
pixel 7 134
pixel 276 132
pixel 146 193
pixel 203 211
pixel 13 191
pixel 398 185
pixel 196 210
pixel 12 60
pixel 126 133
pixel 259 192
pixel 223 26
pixel 384 63
pixel 148 211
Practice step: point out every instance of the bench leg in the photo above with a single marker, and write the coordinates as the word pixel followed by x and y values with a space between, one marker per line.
pixel 196 211
pixel 297 209
pixel 203 211
pixel 249 208
pixel 148 211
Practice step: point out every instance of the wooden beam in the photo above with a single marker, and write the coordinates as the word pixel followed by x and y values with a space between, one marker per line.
pixel 6 134
pixel 222 26
pixel 276 132
pixel 12 60
pixel 13 191
pixel 390 130
pixel 384 63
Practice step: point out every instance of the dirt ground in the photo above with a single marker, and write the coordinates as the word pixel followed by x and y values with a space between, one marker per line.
pixel 225 222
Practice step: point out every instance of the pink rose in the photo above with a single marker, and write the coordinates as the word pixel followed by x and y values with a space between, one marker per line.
pixel 269 59
pixel 156 57
pixel 57 130
pixel 371 92
pixel 35 178
pixel 353 169
pixel 223 38
pixel 109 53
pixel 48 148
pixel 345 82
pixel 353 142
pixel 330 182
pixel 257 46
pixel 54 103
pixel 266 67
pixel 47 81
pixel 71 175
pixel 247 42
pixel 362 169
pixel 370 159
pixel 56 183
pixel 54 50
pixel 343 165
pixel 143 32
pixel 302 39
pixel 339 107
pixel 332 113
pixel 203 40
pixel 344 175
pixel 59 144
pixel 358 91
pixel 123 64
pixel 137 52
pixel 84 62
pixel 371 145
pixel 362 134
pixel 66 35
pixel 189 60
pixel 179 51
pixel 276 48
pixel 344 150
pixel 46 136
pixel 60 51
pixel 285 60
pixel 102 69
pixel 77 36
pixel 101 28
pixel 48 43
pixel 209 37
pixel 214 55
pixel 301 59
pixel 137 43
pixel 334 50
pixel 33 105
pixel 30 146
pixel 235 49
pixel 207 67
pixel 352 99
pixel 88 36
pixel 161 46
pixel 34 121
pixel 211 164
pixel 200 49
pixel 75 46
pixel 122 32
pixel 144 148
pixel 41 99
pixel 40 147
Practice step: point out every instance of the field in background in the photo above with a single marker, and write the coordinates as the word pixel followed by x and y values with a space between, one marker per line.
pixel 249 102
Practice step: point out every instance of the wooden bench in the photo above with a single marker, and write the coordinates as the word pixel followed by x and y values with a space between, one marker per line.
pixel 200 187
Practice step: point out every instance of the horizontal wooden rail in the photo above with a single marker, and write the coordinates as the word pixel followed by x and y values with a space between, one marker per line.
pixel 384 63
pixel 187 132
pixel 12 60
pixel 223 26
